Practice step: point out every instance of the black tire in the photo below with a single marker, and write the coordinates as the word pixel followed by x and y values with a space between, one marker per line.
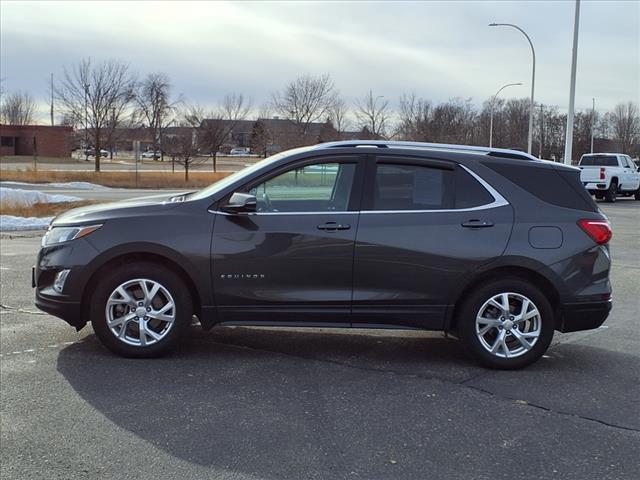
pixel 470 309
pixel 636 195
pixel 612 192
pixel 599 196
pixel 171 282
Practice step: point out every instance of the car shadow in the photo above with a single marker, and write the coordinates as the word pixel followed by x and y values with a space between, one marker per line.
pixel 281 404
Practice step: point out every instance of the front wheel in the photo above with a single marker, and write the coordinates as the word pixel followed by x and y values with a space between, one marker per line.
pixel 636 195
pixel 140 310
pixel 506 324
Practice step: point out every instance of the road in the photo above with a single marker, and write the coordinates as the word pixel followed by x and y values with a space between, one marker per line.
pixel 240 403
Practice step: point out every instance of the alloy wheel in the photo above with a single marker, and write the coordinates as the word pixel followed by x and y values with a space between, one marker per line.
pixel 140 312
pixel 508 325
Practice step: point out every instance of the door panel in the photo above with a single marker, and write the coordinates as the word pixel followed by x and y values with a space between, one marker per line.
pixel 287 263
pixel 407 263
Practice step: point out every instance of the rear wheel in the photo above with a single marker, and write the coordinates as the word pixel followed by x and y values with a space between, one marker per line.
pixel 141 310
pixel 507 324
pixel 612 192
pixel 636 195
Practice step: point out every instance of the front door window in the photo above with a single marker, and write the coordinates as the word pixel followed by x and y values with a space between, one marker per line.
pixel 322 187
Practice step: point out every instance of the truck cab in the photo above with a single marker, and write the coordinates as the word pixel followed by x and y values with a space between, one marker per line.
pixel 608 175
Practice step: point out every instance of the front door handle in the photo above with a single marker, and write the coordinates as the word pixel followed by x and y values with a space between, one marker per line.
pixel 477 224
pixel 333 226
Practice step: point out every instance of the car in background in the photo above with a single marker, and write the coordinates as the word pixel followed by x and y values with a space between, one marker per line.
pixel 607 175
pixel 239 152
pixel 91 152
pixel 495 246
pixel 151 155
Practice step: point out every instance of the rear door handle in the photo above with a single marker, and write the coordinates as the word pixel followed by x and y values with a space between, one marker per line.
pixel 333 226
pixel 477 224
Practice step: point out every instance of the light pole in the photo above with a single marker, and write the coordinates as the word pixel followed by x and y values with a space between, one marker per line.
pixel 568 141
pixel 533 78
pixel 493 101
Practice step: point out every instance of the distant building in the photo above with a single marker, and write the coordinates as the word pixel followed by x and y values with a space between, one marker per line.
pixel 42 140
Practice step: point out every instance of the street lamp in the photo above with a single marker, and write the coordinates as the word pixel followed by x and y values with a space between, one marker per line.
pixel 533 78
pixel 493 100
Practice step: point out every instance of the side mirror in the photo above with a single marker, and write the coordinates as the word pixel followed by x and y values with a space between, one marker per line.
pixel 241 203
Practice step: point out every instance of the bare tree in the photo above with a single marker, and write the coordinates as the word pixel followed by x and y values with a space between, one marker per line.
pixel 415 118
pixel 373 114
pixel 338 114
pixel 217 127
pixel 97 96
pixel 155 107
pixel 625 121
pixel 305 100
pixel 17 108
pixel 182 146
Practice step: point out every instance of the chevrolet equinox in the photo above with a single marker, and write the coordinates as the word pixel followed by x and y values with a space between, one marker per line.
pixel 494 246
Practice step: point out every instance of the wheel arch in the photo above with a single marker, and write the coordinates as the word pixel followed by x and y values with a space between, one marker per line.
pixel 120 256
pixel 522 272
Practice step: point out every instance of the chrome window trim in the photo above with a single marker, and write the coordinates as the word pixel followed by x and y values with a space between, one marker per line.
pixel 498 201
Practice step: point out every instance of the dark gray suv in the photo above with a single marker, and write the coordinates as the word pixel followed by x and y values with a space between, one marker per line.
pixel 494 246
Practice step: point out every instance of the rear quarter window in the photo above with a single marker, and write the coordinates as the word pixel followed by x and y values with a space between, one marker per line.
pixel 558 187
pixel 469 192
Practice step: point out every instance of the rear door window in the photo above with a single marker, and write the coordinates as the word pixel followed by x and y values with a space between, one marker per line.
pixel 411 187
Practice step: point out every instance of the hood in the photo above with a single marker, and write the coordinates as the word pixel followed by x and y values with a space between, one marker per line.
pixel 124 208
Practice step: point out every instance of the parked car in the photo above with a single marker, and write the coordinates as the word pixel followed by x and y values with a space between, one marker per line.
pixel 151 154
pixel 91 152
pixel 607 175
pixel 240 152
pixel 495 246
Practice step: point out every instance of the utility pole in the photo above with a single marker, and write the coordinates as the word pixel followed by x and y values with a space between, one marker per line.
pixel 86 129
pixel 568 141
pixel 52 123
pixel 593 121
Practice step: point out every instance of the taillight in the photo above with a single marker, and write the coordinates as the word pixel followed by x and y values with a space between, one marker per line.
pixel 598 230
pixel 602 173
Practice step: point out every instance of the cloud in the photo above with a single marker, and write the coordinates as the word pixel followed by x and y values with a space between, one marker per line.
pixel 439 50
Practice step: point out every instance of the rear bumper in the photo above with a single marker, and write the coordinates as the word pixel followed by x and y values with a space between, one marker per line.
pixel 595 186
pixel 584 316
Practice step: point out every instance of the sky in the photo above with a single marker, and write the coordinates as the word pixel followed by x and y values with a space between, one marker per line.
pixel 438 50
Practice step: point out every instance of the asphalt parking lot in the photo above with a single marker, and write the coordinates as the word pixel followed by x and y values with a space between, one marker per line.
pixel 237 403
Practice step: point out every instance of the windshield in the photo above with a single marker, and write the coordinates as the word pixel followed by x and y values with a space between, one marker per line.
pixel 604 160
pixel 234 177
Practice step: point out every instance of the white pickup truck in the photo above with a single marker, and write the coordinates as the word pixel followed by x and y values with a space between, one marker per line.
pixel 607 175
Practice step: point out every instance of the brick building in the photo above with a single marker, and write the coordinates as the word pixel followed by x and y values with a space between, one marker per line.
pixel 41 140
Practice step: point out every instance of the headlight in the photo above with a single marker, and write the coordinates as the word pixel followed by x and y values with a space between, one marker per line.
pixel 63 234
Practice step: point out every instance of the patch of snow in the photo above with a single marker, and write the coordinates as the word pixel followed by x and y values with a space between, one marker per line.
pixel 69 185
pixel 29 197
pixel 12 223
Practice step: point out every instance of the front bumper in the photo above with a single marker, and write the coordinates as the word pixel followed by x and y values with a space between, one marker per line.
pixel 70 312
pixel 584 316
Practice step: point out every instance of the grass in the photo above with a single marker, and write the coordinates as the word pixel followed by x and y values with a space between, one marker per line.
pixel 28 159
pixel 117 179
pixel 19 209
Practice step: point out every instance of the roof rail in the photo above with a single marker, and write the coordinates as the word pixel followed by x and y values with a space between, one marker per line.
pixel 494 152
